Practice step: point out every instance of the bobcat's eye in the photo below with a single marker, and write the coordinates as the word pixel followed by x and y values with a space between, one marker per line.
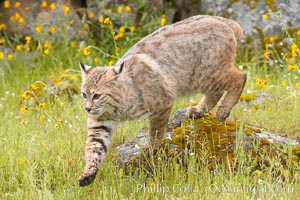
pixel 84 95
pixel 96 96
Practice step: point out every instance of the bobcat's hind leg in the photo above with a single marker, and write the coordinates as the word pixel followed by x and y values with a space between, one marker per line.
pixel 158 125
pixel 234 85
pixel 205 104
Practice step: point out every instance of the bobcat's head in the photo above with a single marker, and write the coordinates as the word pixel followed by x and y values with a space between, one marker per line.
pixel 100 89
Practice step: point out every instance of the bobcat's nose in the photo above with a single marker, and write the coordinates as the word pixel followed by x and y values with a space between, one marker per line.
pixel 88 109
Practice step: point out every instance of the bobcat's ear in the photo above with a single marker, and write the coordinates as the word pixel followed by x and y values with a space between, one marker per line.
pixel 84 69
pixel 119 69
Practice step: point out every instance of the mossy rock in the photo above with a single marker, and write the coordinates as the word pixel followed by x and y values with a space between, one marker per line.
pixel 218 142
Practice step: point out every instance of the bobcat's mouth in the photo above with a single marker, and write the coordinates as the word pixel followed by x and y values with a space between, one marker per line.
pixel 95 111
pixel 101 112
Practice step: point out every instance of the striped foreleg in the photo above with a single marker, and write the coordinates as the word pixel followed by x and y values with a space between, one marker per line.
pixel 97 143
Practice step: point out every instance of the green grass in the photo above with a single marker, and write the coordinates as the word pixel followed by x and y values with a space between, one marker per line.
pixel 42 151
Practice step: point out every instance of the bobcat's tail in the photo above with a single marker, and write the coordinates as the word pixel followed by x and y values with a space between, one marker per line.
pixel 237 29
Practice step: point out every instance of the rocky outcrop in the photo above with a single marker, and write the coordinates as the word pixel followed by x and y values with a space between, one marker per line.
pixel 249 14
pixel 219 141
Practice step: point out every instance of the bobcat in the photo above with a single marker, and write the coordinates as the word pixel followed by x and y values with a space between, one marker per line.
pixel 192 56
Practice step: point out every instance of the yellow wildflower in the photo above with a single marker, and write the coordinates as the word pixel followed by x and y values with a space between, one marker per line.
pixel 38 29
pixel 265 16
pixel 74 78
pixel 127 8
pixel 85 26
pixel 72 22
pixel 27 49
pixel 1 41
pixel 2 27
pixel 17 4
pixel 73 44
pixel 101 19
pixel 10 57
pixel 47 45
pixel 23 110
pixel 44 4
pixel 1 55
pixel 163 20
pixel 28 39
pixel 17 16
pixel 86 51
pixel 266 54
pixel 58 81
pixel 120 9
pixel 110 63
pixel 6 4
pixel 66 10
pixel 27 8
pixel 21 21
pixel 19 47
pixel 43 105
pixel 283 84
pixel 298 32
pixel 294 67
pixel 35 86
pixel 122 29
pixel 96 60
pixel 23 160
pixel 260 83
pixel 65 73
pixel 52 6
pixel 91 15
pixel 46 51
pixel 298 86
pixel 52 30
pixel 14 17
pixel 107 21
pixel 41 119
pixel 272 39
pixel 132 29
pixel 118 36
pixel 25 94
pixel 258 172
pixel 80 32
pixel 294 49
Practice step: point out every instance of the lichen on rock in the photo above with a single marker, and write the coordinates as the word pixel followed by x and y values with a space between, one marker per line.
pixel 219 141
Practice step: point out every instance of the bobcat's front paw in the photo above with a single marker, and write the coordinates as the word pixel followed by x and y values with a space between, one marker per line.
pixel 86 179
pixel 222 114
pixel 194 112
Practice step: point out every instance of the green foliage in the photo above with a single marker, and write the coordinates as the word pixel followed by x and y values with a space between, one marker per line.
pixel 43 124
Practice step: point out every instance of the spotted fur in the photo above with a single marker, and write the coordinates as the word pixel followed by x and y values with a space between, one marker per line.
pixel 193 56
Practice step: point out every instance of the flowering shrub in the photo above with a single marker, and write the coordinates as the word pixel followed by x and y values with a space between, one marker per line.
pixel 41 93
